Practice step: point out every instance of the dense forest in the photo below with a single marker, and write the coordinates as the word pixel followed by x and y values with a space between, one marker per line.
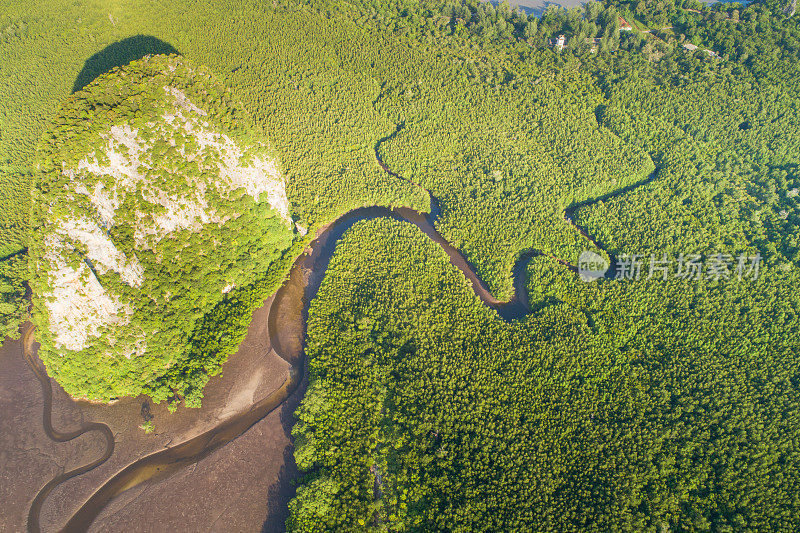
pixel 614 406
pixel 632 406
pixel 619 405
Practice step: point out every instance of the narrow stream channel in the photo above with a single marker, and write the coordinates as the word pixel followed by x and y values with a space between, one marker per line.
pixel 289 307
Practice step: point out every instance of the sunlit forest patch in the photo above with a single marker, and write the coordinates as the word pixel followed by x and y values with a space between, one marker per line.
pixel 154 200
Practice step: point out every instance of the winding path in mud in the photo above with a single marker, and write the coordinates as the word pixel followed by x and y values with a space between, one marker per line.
pixel 58 436
pixel 290 305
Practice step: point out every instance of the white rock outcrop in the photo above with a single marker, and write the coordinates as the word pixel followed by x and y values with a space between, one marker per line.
pixel 79 252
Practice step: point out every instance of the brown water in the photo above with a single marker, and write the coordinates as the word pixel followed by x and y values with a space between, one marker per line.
pixel 286 325
pixel 287 318
pixel 58 436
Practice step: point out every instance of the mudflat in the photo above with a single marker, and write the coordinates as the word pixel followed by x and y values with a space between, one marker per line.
pixel 28 458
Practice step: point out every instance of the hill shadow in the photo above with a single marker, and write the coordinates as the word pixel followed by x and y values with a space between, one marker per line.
pixel 119 54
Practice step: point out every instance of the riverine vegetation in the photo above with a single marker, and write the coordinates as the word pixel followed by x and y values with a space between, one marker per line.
pixel 637 404
pixel 613 406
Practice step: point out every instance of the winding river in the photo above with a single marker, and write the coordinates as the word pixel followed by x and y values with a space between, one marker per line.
pixel 290 306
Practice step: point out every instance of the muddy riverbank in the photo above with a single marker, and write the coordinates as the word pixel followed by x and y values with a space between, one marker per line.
pixel 231 461
pixel 29 459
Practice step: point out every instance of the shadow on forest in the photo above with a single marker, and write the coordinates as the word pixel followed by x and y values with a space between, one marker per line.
pixel 119 54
